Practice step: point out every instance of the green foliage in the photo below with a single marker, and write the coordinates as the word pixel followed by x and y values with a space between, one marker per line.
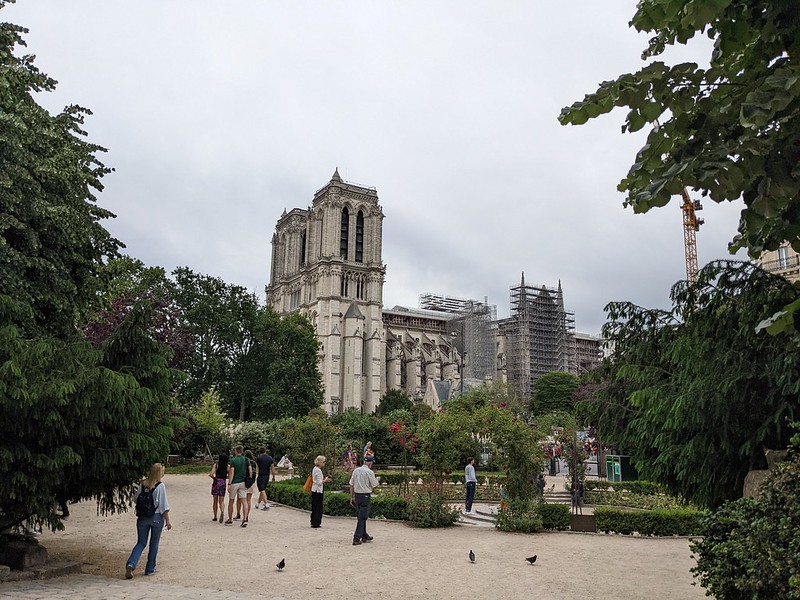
pixel 521 516
pixel 447 441
pixel 731 130
pixel 631 500
pixel 693 394
pixel 208 414
pixel 52 244
pixel 428 507
pixel 393 400
pixel 290 385
pixel 309 437
pixel 421 412
pixel 631 487
pixel 87 422
pixel 357 429
pixel 751 548
pixel 552 392
pixel 682 521
pixel 264 366
pixel 291 493
pixel 554 516
pixel 520 456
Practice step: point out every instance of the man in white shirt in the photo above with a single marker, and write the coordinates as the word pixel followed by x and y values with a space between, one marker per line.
pixel 362 482
pixel 472 481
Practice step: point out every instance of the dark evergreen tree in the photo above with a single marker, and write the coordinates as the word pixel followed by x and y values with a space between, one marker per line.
pixel 694 394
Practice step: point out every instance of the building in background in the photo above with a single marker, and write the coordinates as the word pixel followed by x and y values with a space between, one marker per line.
pixel 589 352
pixel 537 338
pixel 472 328
pixel 327 264
pixel 783 261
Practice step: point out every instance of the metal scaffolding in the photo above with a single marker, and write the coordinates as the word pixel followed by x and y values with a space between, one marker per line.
pixel 540 335
pixel 473 331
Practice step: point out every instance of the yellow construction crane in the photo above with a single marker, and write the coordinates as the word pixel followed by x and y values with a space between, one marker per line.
pixel 691 225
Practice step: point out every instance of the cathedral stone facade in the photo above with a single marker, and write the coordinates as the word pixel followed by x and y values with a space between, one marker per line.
pixel 326 263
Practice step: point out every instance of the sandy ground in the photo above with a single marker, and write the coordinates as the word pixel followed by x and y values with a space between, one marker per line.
pixel 402 561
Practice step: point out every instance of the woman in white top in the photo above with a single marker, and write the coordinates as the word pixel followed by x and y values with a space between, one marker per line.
pixel 317 483
pixel 154 501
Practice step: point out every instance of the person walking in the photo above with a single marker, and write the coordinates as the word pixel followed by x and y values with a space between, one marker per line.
pixel 362 482
pixel 249 481
pixel 540 485
pixel 266 468
pixel 471 481
pixel 219 483
pixel 237 471
pixel 317 489
pixel 152 513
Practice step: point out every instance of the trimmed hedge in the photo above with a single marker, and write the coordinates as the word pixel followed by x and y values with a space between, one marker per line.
pixel 554 516
pixel 633 487
pixel 650 522
pixel 396 478
pixel 335 504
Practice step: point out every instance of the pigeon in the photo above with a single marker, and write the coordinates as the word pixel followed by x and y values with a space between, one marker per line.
pixel 531 559
pixel 471 556
pixel 281 564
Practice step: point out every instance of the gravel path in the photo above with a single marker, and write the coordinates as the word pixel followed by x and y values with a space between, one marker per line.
pixel 402 562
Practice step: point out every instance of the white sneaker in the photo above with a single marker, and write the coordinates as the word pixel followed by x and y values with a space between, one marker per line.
pixel 266 506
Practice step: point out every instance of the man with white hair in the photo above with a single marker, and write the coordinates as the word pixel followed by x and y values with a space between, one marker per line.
pixel 362 482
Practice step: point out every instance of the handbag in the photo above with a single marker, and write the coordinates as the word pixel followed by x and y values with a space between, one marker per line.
pixel 309 482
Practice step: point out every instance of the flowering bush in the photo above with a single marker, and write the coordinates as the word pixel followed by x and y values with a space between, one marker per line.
pixel 428 507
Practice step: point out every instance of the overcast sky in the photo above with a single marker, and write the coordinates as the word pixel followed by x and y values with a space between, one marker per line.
pixel 220 115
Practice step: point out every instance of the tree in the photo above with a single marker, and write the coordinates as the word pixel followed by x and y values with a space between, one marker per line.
pixel 293 385
pixel 392 400
pixel 446 441
pixel 80 422
pixel 86 422
pixel 731 130
pixel 694 393
pixel 309 437
pixel 751 548
pixel 552 392
pixel 128 282
pixel 52 244
pixel 357 429
pixel 220 318
pixel 264 365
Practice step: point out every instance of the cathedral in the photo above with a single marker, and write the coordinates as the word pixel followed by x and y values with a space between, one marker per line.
pixel 327 264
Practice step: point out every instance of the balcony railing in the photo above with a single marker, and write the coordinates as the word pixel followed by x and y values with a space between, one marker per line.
pixel 781 264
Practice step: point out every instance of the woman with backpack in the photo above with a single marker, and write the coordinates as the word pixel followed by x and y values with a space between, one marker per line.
pixel 152 513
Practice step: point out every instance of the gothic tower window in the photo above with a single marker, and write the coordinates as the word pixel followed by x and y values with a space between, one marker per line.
pixel 360 237
pixel 303 248
pixel 345 233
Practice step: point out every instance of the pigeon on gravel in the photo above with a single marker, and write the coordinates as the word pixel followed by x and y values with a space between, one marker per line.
pixel 531 559
pixel 471 556
pixel 281 564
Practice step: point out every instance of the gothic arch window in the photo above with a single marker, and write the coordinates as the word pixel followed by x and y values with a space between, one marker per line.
pixel 303 248
pixel 344 238
pixel 360 236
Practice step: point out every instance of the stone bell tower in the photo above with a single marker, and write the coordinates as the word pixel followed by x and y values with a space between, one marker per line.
pixel 327 264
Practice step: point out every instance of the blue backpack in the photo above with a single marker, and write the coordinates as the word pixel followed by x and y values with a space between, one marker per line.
pixel 145 503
